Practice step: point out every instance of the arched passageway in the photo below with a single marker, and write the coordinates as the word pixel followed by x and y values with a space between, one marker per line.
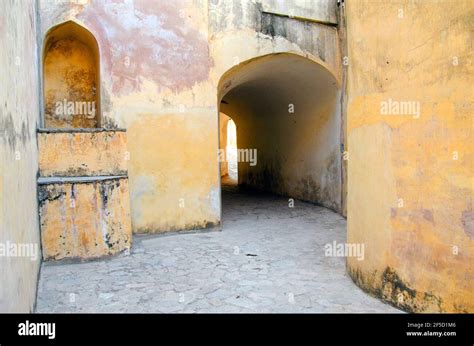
pixel 71 78
pixel 288 127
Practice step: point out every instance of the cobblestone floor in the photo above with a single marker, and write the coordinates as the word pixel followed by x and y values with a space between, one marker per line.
pixel 268 258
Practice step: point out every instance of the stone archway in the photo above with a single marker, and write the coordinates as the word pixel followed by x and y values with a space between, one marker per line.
pixel 71 74
pixel 287 110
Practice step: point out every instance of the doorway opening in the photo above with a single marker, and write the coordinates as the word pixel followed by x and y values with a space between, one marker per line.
pixel 228 150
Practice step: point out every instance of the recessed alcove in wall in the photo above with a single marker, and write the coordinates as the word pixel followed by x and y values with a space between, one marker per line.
pixel 71 75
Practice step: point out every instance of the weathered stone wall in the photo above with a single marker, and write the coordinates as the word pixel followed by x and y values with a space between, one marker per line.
pixel 242 30
pixel 155 63
pixel 163 87
pixel 322 11
pixel 410 175
pixel 19 110
pixel 84 217
pixel 84 203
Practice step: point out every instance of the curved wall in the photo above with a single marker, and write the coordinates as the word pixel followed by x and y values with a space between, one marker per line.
pixel 410 171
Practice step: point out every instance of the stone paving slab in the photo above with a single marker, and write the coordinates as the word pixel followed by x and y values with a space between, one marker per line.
pixel 268 258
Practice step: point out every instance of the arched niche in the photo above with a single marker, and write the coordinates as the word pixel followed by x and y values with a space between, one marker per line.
pixel 71 75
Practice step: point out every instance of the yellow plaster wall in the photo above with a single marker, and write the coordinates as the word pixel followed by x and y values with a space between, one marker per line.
pixel 84 220
pixel 163 90
pixel 19 113
pixel 173 169
pixel 410 179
